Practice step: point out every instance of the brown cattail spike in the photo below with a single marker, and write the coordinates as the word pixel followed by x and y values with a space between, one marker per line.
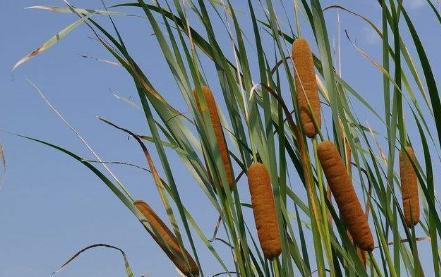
pixel 218 131
pixel 168 242
pixel 344 194
pixel 409 187
pixel 348 153
pixel 264 210
pixel 306 87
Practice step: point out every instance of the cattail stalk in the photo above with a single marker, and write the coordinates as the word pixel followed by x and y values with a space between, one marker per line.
pixel 218 131
pixel 345 196
pixel 167 241
pixel 306 87
pixel 409 187
pixel 264 210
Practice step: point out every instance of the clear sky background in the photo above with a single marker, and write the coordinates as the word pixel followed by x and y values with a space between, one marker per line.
pixel 50 205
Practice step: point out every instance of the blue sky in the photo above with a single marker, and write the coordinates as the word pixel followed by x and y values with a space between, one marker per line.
pixel 50 205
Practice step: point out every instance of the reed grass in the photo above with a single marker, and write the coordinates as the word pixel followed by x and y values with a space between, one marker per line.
pixel 269 99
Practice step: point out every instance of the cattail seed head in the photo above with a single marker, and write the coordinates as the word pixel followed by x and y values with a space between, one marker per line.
pixel 409 187
pixel 344 194
pixel 264 210
pixel 168 242
pixel 348 159
pixel 306 87
pixel 218 131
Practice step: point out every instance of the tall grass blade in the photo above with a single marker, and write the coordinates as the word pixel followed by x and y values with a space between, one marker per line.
pixel 51 42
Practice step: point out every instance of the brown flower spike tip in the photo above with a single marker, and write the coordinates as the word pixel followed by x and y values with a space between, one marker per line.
pixel 409 188
pixel 344 194
pixel 168 241
pixel 306 87
pixel 264 210
pixel 218 131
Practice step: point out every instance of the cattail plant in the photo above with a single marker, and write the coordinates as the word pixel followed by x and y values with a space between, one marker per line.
pixel 344 194
pixel 167 241
pixel 218 131
pixel 242 53
pixel 264 210
pixel 308 101
pixel 409 187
